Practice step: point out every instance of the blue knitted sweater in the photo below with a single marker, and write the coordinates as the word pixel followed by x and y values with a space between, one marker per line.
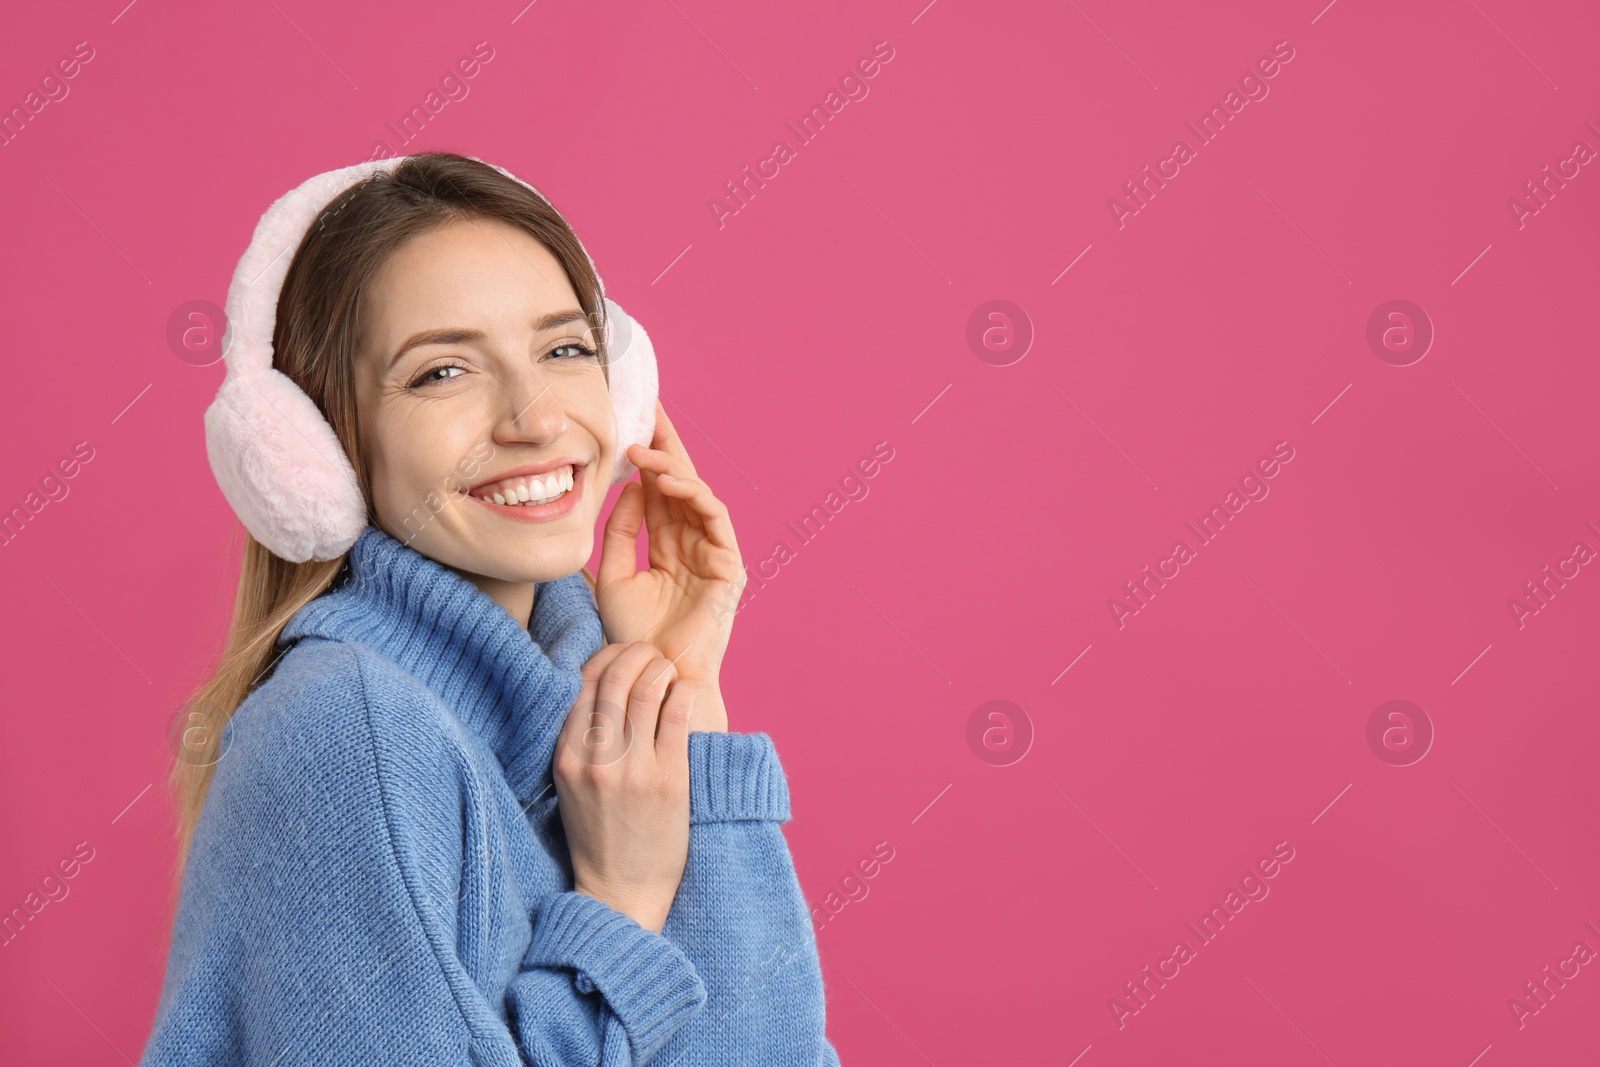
pixel 380 874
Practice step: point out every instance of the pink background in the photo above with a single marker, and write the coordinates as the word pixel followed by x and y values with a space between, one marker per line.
pixel 831 313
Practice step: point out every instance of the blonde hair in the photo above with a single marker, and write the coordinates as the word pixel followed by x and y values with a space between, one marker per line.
pixel 314 344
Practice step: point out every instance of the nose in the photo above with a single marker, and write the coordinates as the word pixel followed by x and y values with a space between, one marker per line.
pixel 532 412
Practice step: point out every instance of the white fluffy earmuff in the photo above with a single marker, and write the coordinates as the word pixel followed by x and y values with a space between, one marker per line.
pixel 276 457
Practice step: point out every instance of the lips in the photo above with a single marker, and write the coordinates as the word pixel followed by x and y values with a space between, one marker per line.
pixel 529 488
pixel 536 492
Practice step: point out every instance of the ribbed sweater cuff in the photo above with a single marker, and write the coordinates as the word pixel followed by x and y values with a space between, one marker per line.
pixel 646 979
pixel 734 777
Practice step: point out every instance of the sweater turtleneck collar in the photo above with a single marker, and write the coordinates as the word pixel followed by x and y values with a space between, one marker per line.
pixel 511 685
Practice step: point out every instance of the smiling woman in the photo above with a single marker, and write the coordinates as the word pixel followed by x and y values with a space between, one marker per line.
pixel 448 798
pixel 517 365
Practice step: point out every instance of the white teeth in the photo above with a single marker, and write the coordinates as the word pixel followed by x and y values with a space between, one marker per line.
pixel 531 489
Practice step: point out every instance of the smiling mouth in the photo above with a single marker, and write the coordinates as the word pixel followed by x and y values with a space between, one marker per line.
pixel 529 490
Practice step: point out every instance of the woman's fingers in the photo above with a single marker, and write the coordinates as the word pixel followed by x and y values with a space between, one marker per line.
pixel 665 455
pixel 657 509
pixel 619 552
pixel 607 737
pixel 661 461
pixel 703 504
pixel 583 707
pixel 580 732
pixel 598 663
pixel 644 699
pixel 626 820
pixel 674 478
pixel 672 730
pixel 666 438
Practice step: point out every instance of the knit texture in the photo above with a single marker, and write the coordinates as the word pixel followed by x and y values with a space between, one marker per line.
pixel 380 874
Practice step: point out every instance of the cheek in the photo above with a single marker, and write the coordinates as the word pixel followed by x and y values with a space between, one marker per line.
pixel 588 405
pixel 609 445
pixel 386 472
pixel 413 453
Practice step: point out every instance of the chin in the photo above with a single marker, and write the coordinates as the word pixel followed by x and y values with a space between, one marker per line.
pixel 520 554
pixel 542 559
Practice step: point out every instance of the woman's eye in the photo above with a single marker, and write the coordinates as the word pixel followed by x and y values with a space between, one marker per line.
pixel 427 376
pixel 580 351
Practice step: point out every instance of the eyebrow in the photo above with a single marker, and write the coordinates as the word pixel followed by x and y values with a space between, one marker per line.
pixel 455 335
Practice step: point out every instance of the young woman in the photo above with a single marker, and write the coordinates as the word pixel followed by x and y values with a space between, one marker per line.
pixel 448 799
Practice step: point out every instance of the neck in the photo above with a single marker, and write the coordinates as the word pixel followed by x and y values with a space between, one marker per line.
pixel 515 597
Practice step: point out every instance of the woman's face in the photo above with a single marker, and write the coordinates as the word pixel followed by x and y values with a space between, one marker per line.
pixel 478 385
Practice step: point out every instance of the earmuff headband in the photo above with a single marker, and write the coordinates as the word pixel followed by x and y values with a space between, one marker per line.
pixel 276 457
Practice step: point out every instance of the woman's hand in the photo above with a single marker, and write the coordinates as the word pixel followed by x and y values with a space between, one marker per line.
pixel 685 602
pixel 622 781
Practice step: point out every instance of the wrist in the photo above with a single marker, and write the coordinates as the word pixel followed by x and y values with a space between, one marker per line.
pixel 649 915
pixel 710 713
